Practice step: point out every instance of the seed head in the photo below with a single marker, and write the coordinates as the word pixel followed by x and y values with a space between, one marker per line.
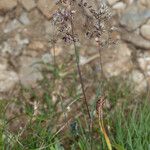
pixel 99 106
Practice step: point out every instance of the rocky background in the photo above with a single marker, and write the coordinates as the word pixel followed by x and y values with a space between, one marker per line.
pixel 25 40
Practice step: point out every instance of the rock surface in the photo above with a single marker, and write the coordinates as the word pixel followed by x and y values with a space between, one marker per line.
pixel 7 5
pixel 28 4
pixel 111 2
pixel 138 80
pixel 37 45
pixel 145 3
pixel 145 31
pixel 118 61
pixel 24 19
pixel 12 25
pixel 47 7
pixel 47 58
pixel 133 17
pixel 119 6
pixel 144 62
pixel 26 31
pixel 14 45
pixel 3 64
pixel 136 40
pixel 8 80
pixel 30 71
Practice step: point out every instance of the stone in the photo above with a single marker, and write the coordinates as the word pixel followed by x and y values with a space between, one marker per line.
pixel 49 27
pixel 1 19
pixel 3 64
pixel 82 60
pixel 30 53
pixel 14 45
pixel 129 2
pixel 143 59
pixel 145 3
pixel 111 2
pixel 137 40
pixel 7 5
pixel 36 16
pixel 133 17
pixel 47 58
pixel 138 80
pixel 148 22
pixel 24 19
pixel 37 45
pixel 117 61
pixel 144 62
pixel 8 79
pixel 5 48
pixel 145 31
pixel 119 6
pixel 12 25
pixel 28 4
pixel 57 50
pixel 29 72
pixel 47 7
pixel 20 40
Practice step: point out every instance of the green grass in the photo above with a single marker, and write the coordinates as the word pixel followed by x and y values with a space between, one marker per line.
pixel 127 121
pixel 131 127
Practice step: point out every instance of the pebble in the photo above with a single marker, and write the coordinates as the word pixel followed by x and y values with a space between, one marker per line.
pixel 3 64
pixel 144 62
pixel 145 3
pixel 133 17
pixel 47 7
pixel 119 6
pixel 145 31
pixel 129 2
pixel 111 2
pixel 138 80
pixel 28 4
pixel 118 61
pixel 37 45
pixel 29 72
pixel 136 40
pixel 148 22
pixel 82 60
pixel 12 25
pixel 14 45
pixel 5 48
pixel 47 58
pixel 57 50
pixel 49 27
pixel 8 80
pixel 1 19
pixel 7 5
pixel 24 19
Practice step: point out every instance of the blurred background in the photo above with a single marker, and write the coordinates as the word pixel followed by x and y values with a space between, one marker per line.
pixel 25 39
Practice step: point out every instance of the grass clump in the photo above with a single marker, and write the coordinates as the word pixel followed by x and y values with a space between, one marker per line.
pixel 126 121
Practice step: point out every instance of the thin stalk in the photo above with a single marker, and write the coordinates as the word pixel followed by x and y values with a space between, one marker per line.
pixel 53 42
pixel 100 54
pixel 54 55
pixel 81 82
pixel 101 125
pixel 79 70
pixel 100 61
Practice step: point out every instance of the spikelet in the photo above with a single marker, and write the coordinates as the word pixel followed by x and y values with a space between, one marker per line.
pixel 99 106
